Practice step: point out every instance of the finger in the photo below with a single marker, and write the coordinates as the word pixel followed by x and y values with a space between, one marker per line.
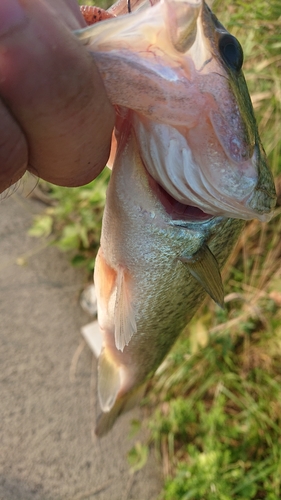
pixel 13 150
pixel 50 83
pixel 68 11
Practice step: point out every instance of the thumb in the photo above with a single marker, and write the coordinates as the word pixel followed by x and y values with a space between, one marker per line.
pixel 54 93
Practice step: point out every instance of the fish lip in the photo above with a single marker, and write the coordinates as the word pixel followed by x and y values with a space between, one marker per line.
pixel 263 203
pixel 263 198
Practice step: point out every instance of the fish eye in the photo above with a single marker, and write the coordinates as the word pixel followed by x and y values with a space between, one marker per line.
pixel 231 51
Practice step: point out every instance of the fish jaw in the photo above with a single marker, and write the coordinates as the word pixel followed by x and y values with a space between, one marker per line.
pixel 263 198
pixel 167 65
pixel 175 158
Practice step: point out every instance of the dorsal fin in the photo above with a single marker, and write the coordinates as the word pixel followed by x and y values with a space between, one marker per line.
pixel 124 317
pixel 109 381
pixel 204 268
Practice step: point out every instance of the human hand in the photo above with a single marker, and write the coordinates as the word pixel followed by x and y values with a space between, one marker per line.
pixel 55 118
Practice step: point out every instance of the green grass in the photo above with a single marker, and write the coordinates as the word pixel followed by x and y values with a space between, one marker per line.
pixel 217 408
pixel 104 4
pixel 74 219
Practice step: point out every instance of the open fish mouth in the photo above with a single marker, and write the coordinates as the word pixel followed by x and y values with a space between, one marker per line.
pixel 176 210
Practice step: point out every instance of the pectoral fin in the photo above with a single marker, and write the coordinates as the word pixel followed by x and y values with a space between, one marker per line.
pixel 109 381
pixel 124 317
pixel 205 269
pixel 105 281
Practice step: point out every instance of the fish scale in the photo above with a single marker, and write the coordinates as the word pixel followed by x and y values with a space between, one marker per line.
pixel 165 295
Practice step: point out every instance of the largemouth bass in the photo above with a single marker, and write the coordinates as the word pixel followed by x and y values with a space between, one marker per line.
pixel 188 158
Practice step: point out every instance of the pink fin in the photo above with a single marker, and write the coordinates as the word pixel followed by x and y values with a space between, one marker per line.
pixel 105 283
pixel 124 317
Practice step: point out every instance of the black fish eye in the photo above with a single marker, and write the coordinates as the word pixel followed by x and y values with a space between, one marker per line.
pixel 231 51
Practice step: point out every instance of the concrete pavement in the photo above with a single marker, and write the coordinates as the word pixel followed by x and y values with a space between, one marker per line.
pixel 47 412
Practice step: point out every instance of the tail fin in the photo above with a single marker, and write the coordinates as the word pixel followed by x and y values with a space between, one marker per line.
pixel 109 381
pixel 122 404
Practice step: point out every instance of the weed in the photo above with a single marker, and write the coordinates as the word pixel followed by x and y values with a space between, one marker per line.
pixel 75 219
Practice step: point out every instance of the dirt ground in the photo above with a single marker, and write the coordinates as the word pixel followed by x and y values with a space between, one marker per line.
pixel 47 412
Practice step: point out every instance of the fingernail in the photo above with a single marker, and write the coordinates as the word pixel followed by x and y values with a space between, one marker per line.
pixel 11 15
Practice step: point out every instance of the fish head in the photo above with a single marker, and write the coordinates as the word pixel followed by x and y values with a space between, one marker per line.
pixel 180 71
pixel 222 144
pixel 239 155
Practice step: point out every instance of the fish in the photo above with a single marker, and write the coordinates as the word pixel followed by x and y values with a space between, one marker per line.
pixel 189 170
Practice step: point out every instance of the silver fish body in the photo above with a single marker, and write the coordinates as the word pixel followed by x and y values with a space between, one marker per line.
pixel 162 293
